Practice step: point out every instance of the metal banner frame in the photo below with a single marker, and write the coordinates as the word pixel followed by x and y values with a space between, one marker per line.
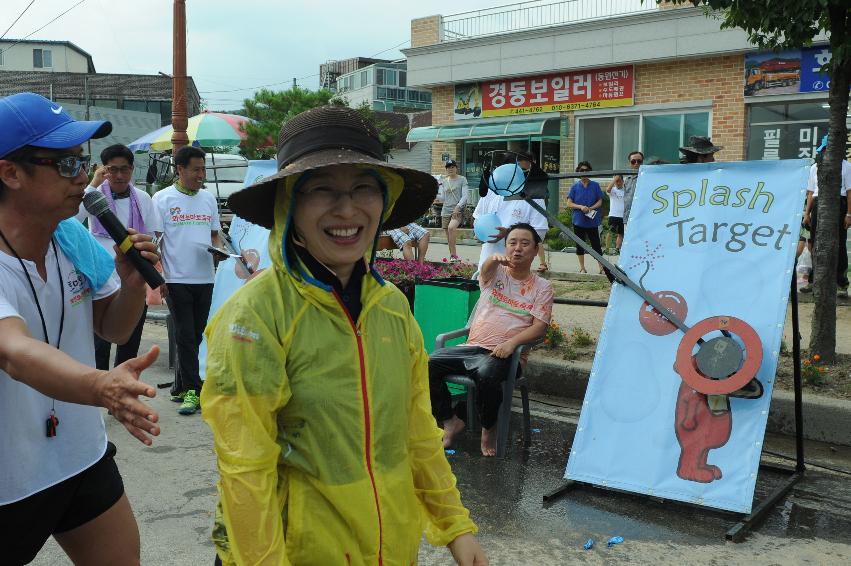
pixel 535 187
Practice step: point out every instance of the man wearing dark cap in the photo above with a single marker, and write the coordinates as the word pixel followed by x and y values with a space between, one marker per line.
pixel 57 285
pixel 700 149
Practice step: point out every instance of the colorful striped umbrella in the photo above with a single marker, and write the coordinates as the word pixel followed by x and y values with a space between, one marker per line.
pixel 207 129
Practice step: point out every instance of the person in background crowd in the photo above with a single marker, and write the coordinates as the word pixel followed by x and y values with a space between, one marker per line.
pixel 134 209
pixel 843 217
pixel 412 239
pixel 635 159
pixel 316 387
pixel 525 159
pixel 455 194
pixel 586 200
pixel 190 224
pixel 700 149
pixel 57 286
pixel 511 212
pixel 514 308
pixel 615 191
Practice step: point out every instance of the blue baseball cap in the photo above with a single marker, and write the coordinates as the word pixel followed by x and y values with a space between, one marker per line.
pixel 31 119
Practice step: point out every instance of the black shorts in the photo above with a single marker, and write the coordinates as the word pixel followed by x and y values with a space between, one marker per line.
pixel 27 524
pixel 616 225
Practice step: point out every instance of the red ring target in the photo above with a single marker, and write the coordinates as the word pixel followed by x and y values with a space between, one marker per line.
pixel 687 367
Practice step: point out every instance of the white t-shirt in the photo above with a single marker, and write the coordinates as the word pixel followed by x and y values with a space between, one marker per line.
pixel 812 183
pixel 509 212
pixel 153 221
pixel 616 202
pixel 187 223
pixel 30 461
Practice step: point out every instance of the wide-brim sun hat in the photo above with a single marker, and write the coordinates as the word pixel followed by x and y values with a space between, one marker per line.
pixel 333 135
pixel 701 145
pixel 27 118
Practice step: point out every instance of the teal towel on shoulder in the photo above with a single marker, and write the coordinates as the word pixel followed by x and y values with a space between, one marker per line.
pixel 87 255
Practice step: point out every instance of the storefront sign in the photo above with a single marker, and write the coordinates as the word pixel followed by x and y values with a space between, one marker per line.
pixel 578 90
pixel 788 141
pixel 787 72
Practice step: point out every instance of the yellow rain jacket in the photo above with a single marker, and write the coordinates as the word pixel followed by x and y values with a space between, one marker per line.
pixel 327 449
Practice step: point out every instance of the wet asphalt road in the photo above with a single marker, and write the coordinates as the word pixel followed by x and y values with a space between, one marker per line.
pixel 172 489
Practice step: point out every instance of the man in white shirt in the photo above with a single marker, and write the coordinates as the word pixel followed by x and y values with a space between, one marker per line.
pixel 57 473
pixel 190 224
pixel 511 212
pixel 134 209
pixel 843 218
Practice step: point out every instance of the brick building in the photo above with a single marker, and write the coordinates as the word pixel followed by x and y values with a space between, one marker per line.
pixel 570 82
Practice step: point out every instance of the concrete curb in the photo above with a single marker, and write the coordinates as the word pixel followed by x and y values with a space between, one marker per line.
pixel 825 419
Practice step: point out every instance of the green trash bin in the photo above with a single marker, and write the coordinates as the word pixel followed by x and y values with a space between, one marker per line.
pixel 443 305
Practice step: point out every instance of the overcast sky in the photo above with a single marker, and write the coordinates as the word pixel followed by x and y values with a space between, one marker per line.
pixel 232 44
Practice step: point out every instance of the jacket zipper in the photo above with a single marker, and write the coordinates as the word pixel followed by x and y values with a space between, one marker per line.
pixel 367 423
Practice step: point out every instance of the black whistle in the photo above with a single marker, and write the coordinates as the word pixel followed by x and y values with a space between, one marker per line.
pixel 52 423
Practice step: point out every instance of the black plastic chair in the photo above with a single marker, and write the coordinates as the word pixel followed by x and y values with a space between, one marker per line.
pixel 508 386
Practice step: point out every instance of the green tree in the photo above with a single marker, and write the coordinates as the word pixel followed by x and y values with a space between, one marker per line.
pixel 776 25
pixel 270 109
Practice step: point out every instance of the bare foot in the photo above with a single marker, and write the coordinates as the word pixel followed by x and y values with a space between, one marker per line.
pixel 489 441
pixel 451 428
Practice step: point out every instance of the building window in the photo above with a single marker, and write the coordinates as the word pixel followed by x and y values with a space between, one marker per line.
pixel 137 105
pixel 787 130
pixel 605 142
pixel 42 59
pixel 1 56
pixel 403 78
pixel 385 77
pixel 364 78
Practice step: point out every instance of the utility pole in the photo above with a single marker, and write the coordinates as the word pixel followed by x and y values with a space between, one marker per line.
pixel 295 83
pixel 179 117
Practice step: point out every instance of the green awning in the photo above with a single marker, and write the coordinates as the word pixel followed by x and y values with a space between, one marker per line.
pixel 472 129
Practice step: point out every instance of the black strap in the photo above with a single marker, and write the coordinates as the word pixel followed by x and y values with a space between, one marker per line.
pixel 35 296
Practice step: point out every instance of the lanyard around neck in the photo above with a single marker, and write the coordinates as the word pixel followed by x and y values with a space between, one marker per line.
pixel 35 296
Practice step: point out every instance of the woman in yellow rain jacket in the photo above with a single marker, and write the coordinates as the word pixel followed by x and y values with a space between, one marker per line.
pixel 317 380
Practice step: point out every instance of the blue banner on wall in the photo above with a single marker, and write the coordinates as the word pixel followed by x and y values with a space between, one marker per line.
pixel 787 72
pixel 715 243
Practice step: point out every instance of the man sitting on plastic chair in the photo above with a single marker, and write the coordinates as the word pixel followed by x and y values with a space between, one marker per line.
pixel 514 309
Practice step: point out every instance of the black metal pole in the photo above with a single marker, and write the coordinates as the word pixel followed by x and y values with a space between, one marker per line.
pixel 796 369
pixel 616 272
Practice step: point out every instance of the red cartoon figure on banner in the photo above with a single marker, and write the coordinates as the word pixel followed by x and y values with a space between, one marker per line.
pixel 703 420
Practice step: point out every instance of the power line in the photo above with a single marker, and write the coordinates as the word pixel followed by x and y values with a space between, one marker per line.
pixel 42 27
pixel 258 86
pixel 297 78
pixel 391 48
pixel 18 18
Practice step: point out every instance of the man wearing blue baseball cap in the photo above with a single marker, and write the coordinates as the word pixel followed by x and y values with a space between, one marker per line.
pixel 57 286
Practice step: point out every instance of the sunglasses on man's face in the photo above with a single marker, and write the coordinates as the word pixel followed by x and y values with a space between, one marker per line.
pixel 67 165
pixel 584 170
pixel 636 161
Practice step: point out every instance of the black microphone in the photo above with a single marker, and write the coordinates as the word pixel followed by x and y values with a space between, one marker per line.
pixel 97 205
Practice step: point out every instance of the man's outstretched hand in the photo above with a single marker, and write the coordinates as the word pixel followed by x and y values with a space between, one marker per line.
pixel 119 389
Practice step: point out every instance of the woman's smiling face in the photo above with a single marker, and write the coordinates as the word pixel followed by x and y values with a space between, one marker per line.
pixel 337 213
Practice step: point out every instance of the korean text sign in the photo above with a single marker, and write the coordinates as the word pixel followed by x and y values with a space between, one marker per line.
pixel 577 90
pixel 715 243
